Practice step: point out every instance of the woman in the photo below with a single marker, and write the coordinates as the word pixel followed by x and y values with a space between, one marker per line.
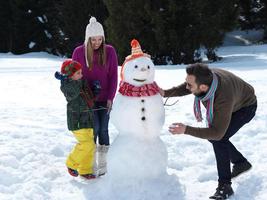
pixel 99 68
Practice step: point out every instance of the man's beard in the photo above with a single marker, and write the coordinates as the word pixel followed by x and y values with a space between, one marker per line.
pixel 201 94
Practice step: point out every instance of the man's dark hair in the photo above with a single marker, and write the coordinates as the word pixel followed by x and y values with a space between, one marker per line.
pixel 202 73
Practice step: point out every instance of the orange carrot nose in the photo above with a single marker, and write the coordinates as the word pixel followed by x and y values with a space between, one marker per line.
pixel 143 69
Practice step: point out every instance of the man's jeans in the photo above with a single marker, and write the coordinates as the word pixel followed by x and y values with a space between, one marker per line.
pixel 225 151
pixel 101 120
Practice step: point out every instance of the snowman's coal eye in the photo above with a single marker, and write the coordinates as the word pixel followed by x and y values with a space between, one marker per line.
pixel 148 67
pixel 135 66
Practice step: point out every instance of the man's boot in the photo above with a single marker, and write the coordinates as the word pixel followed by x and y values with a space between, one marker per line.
pixel 240 168
pixel 223 191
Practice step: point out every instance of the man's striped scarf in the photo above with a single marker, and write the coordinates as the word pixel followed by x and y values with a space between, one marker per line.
pixel 209 97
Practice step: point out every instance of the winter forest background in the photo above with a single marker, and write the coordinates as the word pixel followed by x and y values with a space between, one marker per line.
pixel 34 140
pixel 172 31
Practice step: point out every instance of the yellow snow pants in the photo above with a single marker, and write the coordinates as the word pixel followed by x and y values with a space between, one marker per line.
pixel 82 155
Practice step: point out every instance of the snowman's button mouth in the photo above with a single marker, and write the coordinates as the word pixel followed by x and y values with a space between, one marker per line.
pixel 139 80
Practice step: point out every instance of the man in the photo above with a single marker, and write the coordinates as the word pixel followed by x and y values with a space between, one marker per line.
pixel 230 103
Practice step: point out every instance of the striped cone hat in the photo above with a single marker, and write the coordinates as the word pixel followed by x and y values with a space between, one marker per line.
pixel 136 52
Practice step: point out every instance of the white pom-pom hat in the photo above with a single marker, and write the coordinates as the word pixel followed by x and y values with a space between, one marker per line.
pixel 94 28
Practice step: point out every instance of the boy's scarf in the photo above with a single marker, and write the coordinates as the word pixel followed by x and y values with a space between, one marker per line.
pixel 127 89
pixel 209 97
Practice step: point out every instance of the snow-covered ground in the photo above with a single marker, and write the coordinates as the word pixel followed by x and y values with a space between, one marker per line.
pixel 34 140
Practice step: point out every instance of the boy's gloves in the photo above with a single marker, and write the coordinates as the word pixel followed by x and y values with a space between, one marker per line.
pixel 60 76
pixel 96 87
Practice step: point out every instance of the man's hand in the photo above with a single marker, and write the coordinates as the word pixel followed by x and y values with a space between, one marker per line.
pixel 109 106
pixel 177 128
pixel 161 92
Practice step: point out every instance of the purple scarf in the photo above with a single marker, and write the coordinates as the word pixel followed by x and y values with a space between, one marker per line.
pixel 209 97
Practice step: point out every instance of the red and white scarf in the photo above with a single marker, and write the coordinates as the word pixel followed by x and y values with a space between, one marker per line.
pixel 126 89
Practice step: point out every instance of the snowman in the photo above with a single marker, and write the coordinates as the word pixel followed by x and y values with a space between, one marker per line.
pixel 137 158
pixel 138 114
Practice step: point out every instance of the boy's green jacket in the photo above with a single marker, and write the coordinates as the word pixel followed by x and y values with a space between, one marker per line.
pixel 79 106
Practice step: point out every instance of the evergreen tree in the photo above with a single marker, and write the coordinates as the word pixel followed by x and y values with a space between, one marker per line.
pixel 183 31
pixel 73 17
pixel 128 20
pixel 25 26
pixel 48 17
pixel 250 14
pixel 215 21
pixel 263 16
pixel 11 15
pixel 6 25
pixel 170 30
pixel 253 15
pixel 260 19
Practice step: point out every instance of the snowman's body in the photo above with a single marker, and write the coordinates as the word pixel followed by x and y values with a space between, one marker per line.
pixel 138 152
pixel 138 116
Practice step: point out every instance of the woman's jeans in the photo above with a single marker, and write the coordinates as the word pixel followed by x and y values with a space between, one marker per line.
pixel 225 151
pixel 101 120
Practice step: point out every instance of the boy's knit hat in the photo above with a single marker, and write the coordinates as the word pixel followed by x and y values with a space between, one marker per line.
pixel 69 67
pixel 93 29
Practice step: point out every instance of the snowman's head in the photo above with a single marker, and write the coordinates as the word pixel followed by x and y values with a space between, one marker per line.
pixel 138 69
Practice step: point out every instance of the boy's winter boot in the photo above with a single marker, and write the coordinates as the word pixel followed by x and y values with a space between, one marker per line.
pixel 102 151
pixel 88 176
pixel 73 172
pixel 223 191
pixel 240 168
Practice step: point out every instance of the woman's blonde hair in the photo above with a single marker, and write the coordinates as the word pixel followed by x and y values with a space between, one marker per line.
pixel 90 53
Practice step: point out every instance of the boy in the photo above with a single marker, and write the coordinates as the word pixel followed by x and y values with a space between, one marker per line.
pixel 80 119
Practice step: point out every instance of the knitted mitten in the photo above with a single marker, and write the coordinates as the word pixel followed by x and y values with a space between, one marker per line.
pixel 60 76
